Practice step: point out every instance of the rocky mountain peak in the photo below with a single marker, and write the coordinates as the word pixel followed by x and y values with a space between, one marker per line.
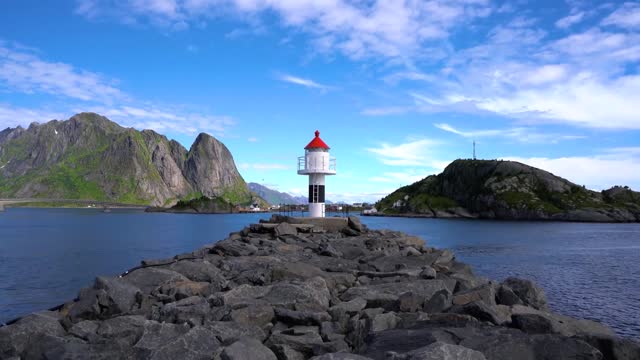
pixel 89 156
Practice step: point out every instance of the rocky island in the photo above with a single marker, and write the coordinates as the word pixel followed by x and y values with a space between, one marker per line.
pixel 295 288
pixel 508 190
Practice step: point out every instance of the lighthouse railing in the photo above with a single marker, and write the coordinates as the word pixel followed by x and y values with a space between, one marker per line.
pixel 317 164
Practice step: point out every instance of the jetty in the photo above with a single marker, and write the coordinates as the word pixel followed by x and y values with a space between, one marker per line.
pixel 310 288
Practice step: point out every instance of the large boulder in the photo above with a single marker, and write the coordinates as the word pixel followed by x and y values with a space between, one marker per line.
pixel 247 349
pixel 494 342
pixel 26 332
pixel 440 351
pixel 150 278
pixel 386 295
pixel 528 292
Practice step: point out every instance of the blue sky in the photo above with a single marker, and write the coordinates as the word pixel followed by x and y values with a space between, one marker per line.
pixel 398 89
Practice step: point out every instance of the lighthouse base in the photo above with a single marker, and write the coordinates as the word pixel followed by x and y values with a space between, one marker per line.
pixel 316 210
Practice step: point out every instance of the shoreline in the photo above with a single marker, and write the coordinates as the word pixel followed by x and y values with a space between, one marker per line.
pixel 479 218
pixel 297 288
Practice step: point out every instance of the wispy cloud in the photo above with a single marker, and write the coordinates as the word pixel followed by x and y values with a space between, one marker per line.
pixel 24 71
pixel 626 17
pixel 519 134
pixel 357 29
pixel 383 111
pixel 617 166
pixel 570 20
pixel 264 166
pixel 308 83
pixel 412 153
pixel 401 178
pixel 252 139
pixel 11 116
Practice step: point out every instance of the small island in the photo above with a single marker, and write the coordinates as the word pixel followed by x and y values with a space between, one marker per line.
pixel 508 190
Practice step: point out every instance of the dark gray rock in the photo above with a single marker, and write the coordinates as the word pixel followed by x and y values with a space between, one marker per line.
pixel 26 332
pixel 355 224
pixel 301 317
pixel 428 273
pixel 121 297
pixel 441 351
pixel 410 302
pixel 528 292
pixel 494 342
pixel 122 330
pixel 258 315
pixel 506 296
pixel 308 343
pixel 201 271
pixel 479 310
pixel 340 356
pixel 193 310
pixel 386 295
pixel 198 343
pixel 485 293
pixel 284 352
pixel 228 331
pixel 156 335
pixel 382 322
pixel 148 279
pixel 85 330
pixel 285 229
pixel 247 349
pixel 439 302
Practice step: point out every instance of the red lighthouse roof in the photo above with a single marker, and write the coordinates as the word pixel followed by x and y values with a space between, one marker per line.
pixel 317 143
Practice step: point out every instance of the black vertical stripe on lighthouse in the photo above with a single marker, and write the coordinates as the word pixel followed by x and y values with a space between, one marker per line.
pixel 318 195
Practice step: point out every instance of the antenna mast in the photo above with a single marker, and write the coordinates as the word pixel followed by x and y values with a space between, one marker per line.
pixel 474 149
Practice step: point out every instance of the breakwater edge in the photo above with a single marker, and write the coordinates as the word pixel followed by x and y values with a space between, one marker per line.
pixel 295 290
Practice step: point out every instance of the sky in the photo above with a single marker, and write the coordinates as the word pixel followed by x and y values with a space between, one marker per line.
pixel 398 89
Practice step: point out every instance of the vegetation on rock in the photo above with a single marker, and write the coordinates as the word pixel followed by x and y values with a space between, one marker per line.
pixel 89 157
pixel 509 190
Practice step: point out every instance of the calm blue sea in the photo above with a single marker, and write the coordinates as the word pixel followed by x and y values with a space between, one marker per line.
pixel 588 270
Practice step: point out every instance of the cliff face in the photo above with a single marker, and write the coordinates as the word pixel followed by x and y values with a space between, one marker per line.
pixel 91 157
pixel 510 190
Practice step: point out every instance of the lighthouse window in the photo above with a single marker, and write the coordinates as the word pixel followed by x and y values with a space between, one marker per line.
pixel 316 193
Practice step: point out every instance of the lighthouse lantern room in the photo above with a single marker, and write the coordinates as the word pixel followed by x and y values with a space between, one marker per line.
pixel 316 163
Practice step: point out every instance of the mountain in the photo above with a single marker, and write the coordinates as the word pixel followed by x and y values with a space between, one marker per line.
pixel 91 157
pixel 509 190
pixel 274 197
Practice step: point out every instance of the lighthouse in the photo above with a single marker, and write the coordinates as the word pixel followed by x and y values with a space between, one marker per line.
pixel 316 163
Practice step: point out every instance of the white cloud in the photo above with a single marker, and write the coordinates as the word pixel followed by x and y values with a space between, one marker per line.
pixel 26 72
pixel 412 153
pixel 264 167
pixel 382 111
pixel 610 168
pixel 400 178
pixel 163 120
pixel 252 139
pixel 570 20
pixel 519 134
pixel 355 28
pixel 302 81
pixel 11 116
pixel 627 16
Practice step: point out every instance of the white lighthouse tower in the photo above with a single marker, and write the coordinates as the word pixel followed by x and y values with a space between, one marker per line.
pixel 316 163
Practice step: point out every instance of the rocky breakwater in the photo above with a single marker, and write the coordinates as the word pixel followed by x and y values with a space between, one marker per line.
pixel 284 290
